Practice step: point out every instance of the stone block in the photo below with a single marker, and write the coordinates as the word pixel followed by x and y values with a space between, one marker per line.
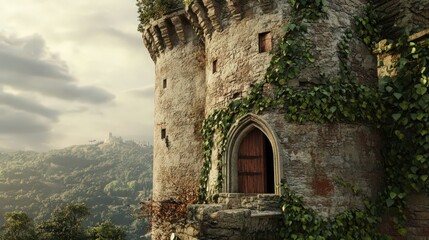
pixel 249 202
pixel 214 233
pixel 231 218
pixel 231 200
pixel 202 212
pixel 268 202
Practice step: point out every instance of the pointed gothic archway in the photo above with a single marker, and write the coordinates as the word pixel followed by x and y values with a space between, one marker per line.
pixel 252 161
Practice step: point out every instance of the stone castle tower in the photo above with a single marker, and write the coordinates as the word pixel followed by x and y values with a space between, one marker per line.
pixel 212 53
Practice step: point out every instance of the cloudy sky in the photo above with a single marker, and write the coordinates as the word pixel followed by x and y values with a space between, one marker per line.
pixel 71 72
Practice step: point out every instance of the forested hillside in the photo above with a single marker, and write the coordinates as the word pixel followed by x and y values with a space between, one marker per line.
pixel 110 177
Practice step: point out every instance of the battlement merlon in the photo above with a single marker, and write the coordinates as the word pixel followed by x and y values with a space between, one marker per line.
pixel 171 30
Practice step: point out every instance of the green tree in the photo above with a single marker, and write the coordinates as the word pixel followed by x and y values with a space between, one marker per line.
pixel 65 223
pixel 106 231
pixel 154 9
pixel 18 226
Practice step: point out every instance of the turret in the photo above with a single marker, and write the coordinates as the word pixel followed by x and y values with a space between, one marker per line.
pixel 239 38
pixel 179 102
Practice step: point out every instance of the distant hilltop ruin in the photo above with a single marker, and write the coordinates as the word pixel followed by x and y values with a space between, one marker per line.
pixel 112 139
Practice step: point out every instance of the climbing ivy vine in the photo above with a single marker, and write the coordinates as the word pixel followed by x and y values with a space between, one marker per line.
pixel 368 27
pixel 304 223
pixel 309 9
pixel 341 100
pixel 400 110
pixel 407 126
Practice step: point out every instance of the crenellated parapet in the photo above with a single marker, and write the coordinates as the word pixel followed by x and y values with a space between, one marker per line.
pixel 213 15
pixel 167 32
pixel 204 15
pixel 198 20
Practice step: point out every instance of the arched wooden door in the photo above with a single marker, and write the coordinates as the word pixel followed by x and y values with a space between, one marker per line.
pixel 255 164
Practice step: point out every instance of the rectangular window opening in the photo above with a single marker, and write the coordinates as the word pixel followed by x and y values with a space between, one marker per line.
pixel 265 42
pixel 214 68
pixel 164 83
pixel 163 133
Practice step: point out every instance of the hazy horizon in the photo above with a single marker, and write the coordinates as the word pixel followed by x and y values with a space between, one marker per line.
pixel 90 142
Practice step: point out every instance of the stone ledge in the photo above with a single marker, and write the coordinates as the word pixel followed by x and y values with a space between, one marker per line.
pixel 265 214
pixel 260 202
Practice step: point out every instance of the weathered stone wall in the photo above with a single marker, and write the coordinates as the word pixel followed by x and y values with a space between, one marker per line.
pixel 417 206
pixel 208 55
pixel 317 156
pixel 233 44
pixel 399 15
pixel 387 53
pixel 417 213
pixel 216 221
pixel 179 103
pixel 258 202
pixel 230 32
pixel 327 34
pixel 230 35
pixel 236 50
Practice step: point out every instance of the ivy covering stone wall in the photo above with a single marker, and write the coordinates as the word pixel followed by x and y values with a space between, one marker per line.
pixel 399 108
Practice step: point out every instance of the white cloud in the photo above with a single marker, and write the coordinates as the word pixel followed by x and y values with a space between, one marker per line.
pixel 27 105
pixel 146 92
pixel 22 130
pixel 67 65
pixel 26 64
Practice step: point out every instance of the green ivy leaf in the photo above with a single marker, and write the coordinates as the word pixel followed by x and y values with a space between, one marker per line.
pixel 399 134
pixel 389 89
pixel 420 89
pixel 404 105
pixel 402 62
pixel 420 116
pixel 397 95
pixel 389 202
pixel 396 116
pixel 402 231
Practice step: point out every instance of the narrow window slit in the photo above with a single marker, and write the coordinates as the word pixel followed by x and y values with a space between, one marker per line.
pixel 214 68
pixel 306 84
pixel 163 133
pixel 265 42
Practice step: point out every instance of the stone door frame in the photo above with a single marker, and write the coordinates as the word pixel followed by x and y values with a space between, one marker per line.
pixel 234 138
